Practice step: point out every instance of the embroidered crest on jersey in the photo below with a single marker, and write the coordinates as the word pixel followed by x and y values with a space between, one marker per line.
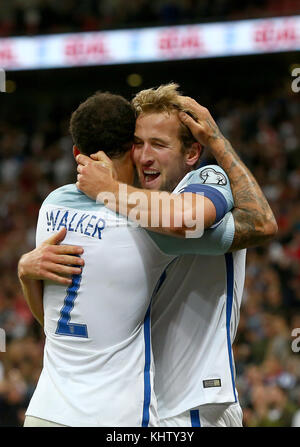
pixel 209 175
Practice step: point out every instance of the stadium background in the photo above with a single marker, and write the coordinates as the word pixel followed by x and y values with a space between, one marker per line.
pixel 251 98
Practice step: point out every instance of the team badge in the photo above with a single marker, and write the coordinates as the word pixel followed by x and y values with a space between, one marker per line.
pixel 209 175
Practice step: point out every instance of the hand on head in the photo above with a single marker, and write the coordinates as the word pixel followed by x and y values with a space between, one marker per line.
pixel 205 129
pixel 94 173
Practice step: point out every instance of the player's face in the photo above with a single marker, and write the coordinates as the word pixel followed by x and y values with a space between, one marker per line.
pixel 157 153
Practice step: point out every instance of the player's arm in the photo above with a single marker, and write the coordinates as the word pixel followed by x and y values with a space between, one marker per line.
pixel 33 294
pixel 49 261
pixel 253 217
pixel 167 213
pixel 215 241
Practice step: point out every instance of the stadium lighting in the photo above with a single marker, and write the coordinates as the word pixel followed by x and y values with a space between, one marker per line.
pixel 245 37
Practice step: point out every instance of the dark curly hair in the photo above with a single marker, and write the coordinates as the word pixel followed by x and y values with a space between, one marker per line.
pixel 103 122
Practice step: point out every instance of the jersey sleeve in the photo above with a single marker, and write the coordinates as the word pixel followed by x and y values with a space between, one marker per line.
pixel 215 240
pixel 213 183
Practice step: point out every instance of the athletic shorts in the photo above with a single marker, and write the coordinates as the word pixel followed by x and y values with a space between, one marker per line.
pixel 210 415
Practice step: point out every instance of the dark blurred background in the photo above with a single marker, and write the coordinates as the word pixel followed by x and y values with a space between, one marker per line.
pixel 19 17
pixel 252 100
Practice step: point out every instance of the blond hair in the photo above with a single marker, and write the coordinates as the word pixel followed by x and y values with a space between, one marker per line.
pixel 164 99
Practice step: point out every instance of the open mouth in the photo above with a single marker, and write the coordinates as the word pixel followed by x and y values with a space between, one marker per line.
pixel 150 176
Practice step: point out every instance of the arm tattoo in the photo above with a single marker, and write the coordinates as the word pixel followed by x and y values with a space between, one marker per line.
pixel 215 129
pixel 252 213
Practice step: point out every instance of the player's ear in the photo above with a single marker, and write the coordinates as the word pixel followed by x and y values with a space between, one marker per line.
pixel 76 151
pixel 132 153
pixel 192 154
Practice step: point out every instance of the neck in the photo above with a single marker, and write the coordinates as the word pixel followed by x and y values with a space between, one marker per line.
pixel 124 168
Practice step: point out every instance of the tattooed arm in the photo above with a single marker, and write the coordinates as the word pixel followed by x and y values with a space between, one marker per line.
pixel 254 219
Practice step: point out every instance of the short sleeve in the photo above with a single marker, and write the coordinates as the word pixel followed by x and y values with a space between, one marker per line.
pixel 214 241
pixel 212 182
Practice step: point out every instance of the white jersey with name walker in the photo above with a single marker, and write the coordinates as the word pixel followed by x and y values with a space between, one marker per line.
pixel 98 366
pixel 195 315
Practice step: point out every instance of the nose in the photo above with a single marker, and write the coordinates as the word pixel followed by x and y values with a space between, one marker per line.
pixel 146 154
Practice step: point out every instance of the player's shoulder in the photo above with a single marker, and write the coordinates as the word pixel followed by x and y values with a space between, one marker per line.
pixel 69 196
pixel 61 195
pixel 210 174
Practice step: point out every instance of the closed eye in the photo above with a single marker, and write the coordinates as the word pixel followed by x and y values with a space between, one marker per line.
pixel 138 143
pixel 159 143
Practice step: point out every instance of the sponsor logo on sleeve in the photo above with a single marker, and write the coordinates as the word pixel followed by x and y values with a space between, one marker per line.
pixel 210 175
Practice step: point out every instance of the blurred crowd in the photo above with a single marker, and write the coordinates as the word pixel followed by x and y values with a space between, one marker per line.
pixel 35 158
pixel 266 349
pixel 32 17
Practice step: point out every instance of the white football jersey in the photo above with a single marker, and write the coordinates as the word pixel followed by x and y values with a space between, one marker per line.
pixel 195 315
pixel 98 368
